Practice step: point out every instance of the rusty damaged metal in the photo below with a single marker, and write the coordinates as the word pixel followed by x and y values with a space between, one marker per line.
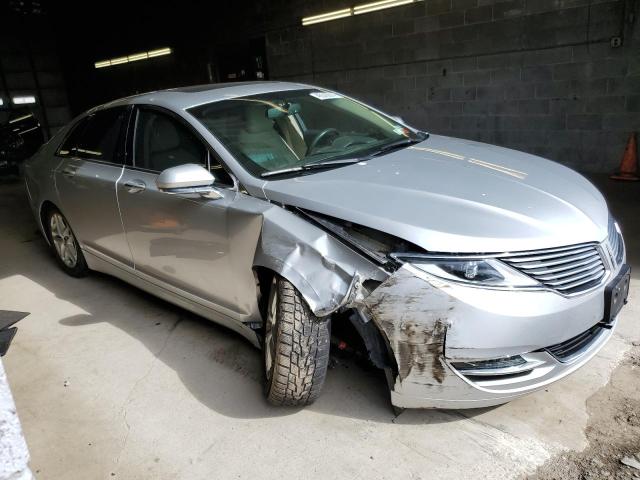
pixel 414 316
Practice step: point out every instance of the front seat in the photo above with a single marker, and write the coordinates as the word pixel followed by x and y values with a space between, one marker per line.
pixel 166 147
pixel 259 140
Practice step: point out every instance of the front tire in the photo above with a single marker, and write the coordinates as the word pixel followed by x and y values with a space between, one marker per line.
pixel 64 245
pixel 296 347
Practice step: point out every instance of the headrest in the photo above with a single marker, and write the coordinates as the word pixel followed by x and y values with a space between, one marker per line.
pixel 255 118
pixel 164 135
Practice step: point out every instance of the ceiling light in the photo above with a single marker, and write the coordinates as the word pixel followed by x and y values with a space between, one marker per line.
pixel 24 100
pixel 374 6
pixel 325 17
pixel 357 10
pixel 134 57
pixel 137 56
pixel 159 52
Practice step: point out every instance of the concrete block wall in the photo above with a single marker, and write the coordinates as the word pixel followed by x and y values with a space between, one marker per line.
pixel 535 75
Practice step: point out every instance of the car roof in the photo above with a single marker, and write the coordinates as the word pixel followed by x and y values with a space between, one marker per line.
pixel 182 98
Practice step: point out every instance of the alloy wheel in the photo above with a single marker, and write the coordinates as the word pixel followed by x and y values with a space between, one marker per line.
pixel 63 240
pixel 270 326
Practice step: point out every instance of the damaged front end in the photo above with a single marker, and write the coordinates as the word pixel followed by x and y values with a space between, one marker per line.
pixel 450 331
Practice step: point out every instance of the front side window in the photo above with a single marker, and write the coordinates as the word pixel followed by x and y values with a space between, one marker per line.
pixel 97 137
pixel 289 129
pixel 162 142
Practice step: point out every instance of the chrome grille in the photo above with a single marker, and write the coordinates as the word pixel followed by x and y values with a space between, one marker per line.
pixel 615 243
pixel 568 270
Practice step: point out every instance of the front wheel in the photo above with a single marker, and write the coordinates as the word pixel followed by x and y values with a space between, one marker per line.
pixel 296 347
pixel 65 246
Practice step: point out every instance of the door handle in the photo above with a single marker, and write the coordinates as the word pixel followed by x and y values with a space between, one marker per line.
pixel 135 186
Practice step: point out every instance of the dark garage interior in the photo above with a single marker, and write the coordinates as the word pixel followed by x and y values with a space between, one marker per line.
pixel 112 382
pixel 555 78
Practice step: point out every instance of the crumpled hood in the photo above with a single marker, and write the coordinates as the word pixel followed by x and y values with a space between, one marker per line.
pixel 453 195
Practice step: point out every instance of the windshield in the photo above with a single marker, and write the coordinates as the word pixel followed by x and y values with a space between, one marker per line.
pixel 290 129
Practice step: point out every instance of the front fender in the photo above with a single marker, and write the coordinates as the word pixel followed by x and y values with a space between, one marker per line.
pixel 323 269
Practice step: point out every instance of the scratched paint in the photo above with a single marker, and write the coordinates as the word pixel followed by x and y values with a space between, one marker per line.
pixel 414 316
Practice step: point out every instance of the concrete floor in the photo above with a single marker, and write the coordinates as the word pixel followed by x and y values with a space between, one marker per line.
pixel 111 382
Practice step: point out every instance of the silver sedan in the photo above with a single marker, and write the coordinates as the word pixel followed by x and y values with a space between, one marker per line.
pixel 471 273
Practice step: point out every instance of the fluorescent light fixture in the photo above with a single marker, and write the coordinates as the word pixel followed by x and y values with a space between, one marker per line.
pixel 159 52
pixel 137 56
pixel 357 10
pixel 374 6
pixel 134 57
pixel 24 100
pixel 325 17
pixel 119 60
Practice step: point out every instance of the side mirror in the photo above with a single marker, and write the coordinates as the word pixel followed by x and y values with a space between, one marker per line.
pixel 188 178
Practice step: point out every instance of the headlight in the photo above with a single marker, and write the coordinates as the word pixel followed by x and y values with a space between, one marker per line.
pixel 480 271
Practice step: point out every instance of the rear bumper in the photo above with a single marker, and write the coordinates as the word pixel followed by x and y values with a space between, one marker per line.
pixel 433 327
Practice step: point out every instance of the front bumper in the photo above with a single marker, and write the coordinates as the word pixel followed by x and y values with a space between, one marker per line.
pixel 432 326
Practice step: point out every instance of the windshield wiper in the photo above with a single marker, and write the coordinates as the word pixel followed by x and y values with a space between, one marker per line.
pixel 311 166
pixel 405 142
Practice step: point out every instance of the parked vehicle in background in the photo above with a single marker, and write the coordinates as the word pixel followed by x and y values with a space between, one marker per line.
pixel 20 137
pixel 473 274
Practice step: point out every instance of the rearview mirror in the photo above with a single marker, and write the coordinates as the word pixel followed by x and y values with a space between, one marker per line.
pixel 188 178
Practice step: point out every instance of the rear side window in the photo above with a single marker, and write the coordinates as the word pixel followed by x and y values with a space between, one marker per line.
pixel 97 137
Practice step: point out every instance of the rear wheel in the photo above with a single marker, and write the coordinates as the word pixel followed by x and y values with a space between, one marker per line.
pixel 296 347
pixel 65 246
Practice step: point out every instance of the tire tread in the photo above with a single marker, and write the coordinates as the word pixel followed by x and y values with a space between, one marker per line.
pixel 302 350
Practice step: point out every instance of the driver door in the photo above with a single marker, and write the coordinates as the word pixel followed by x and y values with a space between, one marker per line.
pixel 178 241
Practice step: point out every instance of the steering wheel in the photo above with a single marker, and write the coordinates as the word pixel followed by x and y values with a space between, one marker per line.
pixel 320 137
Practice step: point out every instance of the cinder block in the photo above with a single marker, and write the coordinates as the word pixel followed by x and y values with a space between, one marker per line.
pixel 464 4
pixel 553 89
pixel 464 64
pixel 436 7
pixel 463 93
pixel 490 93
pixel 477 78
pixel 584 122
pixel 533 107
pixel 633 103
pixel 538 73
pixel 519 90
pixel 452 19
pixel 479 14
pixel 605 104
pixel 621 121
pixel 510 8
pixel 505 75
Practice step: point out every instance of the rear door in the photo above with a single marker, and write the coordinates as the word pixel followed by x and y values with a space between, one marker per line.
pixel 92 162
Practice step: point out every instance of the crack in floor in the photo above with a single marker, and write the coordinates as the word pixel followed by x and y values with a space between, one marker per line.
pixel 123 408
